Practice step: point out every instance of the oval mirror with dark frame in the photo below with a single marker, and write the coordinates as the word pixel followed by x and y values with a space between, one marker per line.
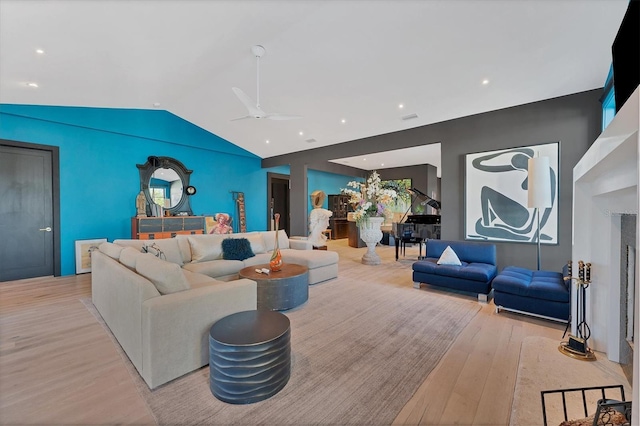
pixel 164 181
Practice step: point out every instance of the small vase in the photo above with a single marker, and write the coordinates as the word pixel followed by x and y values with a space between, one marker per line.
pixel 371 234
pixel 275 264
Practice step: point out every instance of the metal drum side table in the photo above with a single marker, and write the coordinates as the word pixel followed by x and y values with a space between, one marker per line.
pixel 249 356
pixel 281 290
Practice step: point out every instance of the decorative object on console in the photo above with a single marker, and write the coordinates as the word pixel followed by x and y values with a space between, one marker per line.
pixel 222 224
pixel 539 190
pixel 275 263
pixel 496 207
pixel 141 205
pixel 577 346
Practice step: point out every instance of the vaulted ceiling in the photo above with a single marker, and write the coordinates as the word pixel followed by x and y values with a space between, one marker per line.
pixel 345 66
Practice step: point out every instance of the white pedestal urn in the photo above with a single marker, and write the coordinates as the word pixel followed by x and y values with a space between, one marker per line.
pixel 371 234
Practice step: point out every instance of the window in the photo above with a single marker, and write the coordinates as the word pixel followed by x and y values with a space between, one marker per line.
pixel 608 100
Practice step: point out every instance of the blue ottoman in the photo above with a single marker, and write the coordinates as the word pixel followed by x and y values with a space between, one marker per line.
pixel 540 293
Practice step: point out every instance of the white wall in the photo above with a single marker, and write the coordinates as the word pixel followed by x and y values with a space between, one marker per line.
pixel 605 186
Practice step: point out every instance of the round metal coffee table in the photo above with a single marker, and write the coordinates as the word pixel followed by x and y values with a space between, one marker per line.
pixel 282 290
pixel 249 356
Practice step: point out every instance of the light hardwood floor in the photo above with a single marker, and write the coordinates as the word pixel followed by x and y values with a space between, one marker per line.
pixel 57 364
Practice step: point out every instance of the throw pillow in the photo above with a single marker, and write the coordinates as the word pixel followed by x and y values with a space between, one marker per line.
pixel 128 257
pixel 236 249
pixel 449 257
pixel 166 276
pixel 205 247
pixel 165 249
pixel 110 249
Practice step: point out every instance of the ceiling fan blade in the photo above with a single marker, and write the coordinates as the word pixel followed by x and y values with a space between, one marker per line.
pixel 248 103
pixel 241 118
pixel 282 116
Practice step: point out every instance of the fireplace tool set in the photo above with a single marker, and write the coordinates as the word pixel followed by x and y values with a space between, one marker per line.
pixel 577 346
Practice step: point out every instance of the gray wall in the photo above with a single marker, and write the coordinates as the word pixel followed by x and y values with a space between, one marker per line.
pixel 574 120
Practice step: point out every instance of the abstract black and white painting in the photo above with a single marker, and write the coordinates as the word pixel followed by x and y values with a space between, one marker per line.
pixel 496 185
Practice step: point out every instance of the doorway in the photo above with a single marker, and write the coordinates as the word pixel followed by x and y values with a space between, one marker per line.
pixel 278 201
pixel 29 211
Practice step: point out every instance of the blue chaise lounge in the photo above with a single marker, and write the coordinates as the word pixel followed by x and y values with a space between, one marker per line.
pixel 540 293
pixel 477 270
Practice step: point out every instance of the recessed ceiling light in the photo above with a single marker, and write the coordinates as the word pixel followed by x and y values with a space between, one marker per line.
pixel 382 164
pixel 400 106
pixel 485 81
pixel 364 159
pixel 39 51
pixel 32 84
pixel 267 141
pixel 156 104
pixel 301 133
pixel 343 121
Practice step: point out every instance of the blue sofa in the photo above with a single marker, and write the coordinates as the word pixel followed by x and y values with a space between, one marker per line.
pixel 540 293
pixel 479 267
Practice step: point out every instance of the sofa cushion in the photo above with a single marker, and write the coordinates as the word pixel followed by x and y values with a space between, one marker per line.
pixel 168 277
pixel 167 249
pixel 216 268
pixel 467 251
pixel 471 271
pixel 128 257
pixel 255 240
pixel 197 280
pixel 449 257
pixel 236 249
pixel 312 259
pixel 205 247
pixel 544 285
pixel 172 249
pixel 111 250
pixel 269 238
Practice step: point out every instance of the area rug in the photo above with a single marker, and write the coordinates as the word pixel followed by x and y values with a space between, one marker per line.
pixel 543 367
pixel 360 349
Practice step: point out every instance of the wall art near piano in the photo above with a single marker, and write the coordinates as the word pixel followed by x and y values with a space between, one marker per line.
pixel 496 196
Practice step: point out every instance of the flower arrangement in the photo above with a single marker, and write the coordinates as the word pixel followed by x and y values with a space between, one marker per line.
pixel 371 198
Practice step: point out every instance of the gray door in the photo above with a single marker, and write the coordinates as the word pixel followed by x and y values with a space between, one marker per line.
pixel 26 213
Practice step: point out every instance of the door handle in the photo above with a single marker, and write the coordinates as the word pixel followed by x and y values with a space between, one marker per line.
pixel 47 229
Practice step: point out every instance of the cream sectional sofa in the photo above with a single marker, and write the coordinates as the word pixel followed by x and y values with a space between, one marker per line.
pixel 161 304
pixel 160 313
pixel 203 254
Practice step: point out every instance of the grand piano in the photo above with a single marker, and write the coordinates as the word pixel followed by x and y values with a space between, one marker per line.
pixel 417 228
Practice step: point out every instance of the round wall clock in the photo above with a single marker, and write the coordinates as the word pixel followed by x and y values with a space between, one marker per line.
pixel 190 190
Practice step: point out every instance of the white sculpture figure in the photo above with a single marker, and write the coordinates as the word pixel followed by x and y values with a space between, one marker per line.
pixel 318 222
pixel 318 219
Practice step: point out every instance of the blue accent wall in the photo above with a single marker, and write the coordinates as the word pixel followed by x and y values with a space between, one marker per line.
pixel 330 183
pixel 99 180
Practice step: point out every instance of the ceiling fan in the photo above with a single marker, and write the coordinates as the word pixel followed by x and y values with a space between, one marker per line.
pixel 255 111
